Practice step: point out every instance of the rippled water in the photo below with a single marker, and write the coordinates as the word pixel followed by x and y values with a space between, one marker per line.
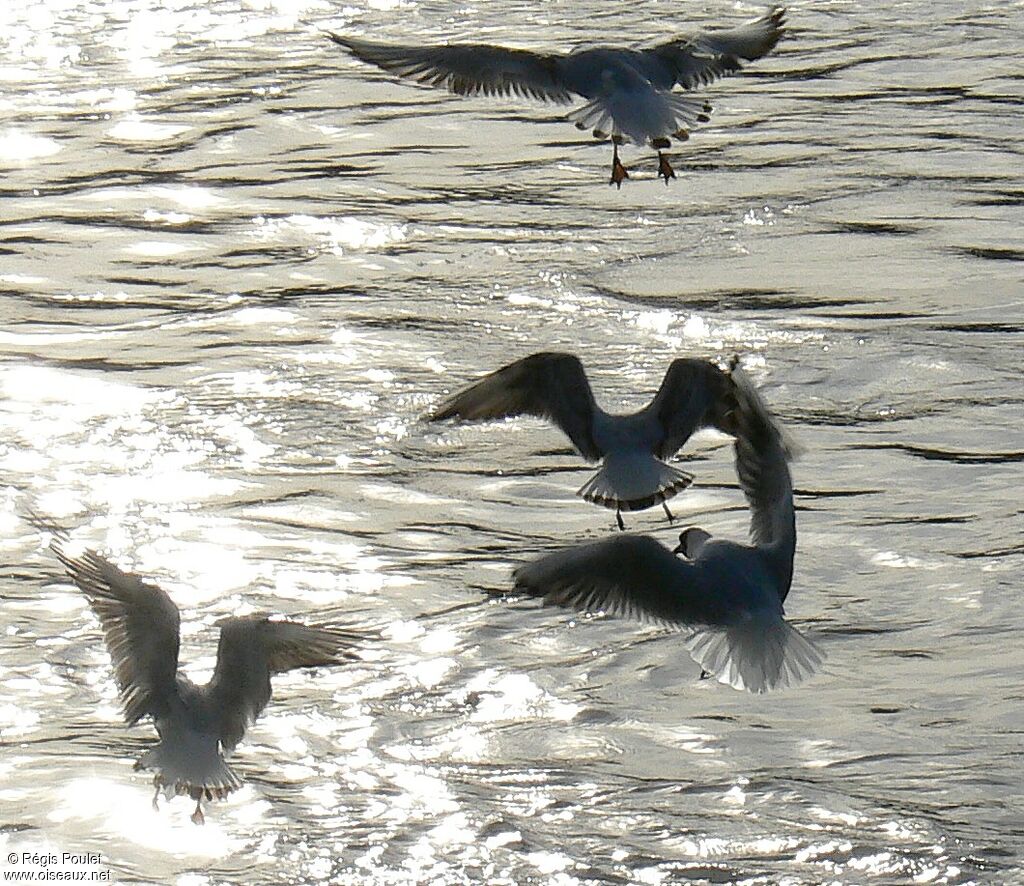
pixel 237 267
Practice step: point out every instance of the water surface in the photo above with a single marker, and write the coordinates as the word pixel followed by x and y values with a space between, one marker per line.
pixel 237 268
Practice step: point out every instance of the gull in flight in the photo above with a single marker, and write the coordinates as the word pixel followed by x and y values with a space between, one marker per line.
pixel 629 92
pixel 727 596
pixel 632 448
pixel 195 723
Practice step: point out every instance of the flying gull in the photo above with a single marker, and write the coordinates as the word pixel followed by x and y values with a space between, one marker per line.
pixel 728 597
pixel 195 723
pixel 632 448
pixel 629 92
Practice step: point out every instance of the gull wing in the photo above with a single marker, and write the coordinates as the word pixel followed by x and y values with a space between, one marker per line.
pixel 548 385
pixel 701 58
pixel 633 576
pixel 140 624
pixel 253 648
pixel 693 395
pixel 762 455
pixel 467 68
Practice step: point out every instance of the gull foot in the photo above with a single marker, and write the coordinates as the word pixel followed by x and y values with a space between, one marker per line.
pixel 665 169
pixel 619 173
pixel 197 816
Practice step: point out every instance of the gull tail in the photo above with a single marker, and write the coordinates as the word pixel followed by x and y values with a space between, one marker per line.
pixel 755 656
pixel 633 482
pixel 666 115
pixel 188 768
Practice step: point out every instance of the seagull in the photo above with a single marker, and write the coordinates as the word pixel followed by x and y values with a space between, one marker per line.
pixel 633 475
pixel 628 91
pixel 195 723
pixel 728 597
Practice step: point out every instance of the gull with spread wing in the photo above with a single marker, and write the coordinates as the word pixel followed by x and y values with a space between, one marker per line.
pixel 195 723
pixel 727 596
pixel 629 92
pixel 633 475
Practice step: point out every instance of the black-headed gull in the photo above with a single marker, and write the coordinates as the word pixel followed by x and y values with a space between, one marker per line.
pixel 195 723
pixel 633 475
pixel 629 92
pixel 727 596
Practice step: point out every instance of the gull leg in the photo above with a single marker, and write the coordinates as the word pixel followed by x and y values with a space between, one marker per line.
pixel 619 173
pixel 618 519
pixel 665 169
pixel 668 513
pixel 156 794
pixel 197 816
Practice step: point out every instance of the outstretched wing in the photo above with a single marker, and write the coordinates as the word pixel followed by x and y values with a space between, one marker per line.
pixel 693 395
pixel 628 575
pixel 762 455
pixel 467 68
pixel 140 624
pixel 548 385
pixel 707 55
pixel 253 648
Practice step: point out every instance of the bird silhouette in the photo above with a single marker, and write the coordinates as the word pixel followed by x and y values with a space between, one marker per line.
pixel 726 596
pixel 195 723
pixel 629 92
pixel 632 448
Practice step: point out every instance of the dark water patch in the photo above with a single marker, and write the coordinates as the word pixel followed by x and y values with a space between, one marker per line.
pixel 109 364
pixel 997 552
pixel 916 520
pixel 861 631
pixel 1012 328
pixel 836 493
pixel 142 283
pixel 1000 197
pixel 726 300
pixel 992 253
pixel 416 324
pixel 315 171
pixel 931 454
pixel 879 228
pixel 859 418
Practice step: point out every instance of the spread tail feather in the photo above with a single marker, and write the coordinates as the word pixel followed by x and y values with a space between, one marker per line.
pixel 178 771
pixel 634 482
pixel 672 115
pixel 755 656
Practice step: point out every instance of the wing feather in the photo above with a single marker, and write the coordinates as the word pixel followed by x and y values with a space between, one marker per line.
pixel 140 624
pixel 694 394
pixel 703 57
pixel 467 68
pixel 254 647
pixel 763 451
pixel 633 576
pixel 547 385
